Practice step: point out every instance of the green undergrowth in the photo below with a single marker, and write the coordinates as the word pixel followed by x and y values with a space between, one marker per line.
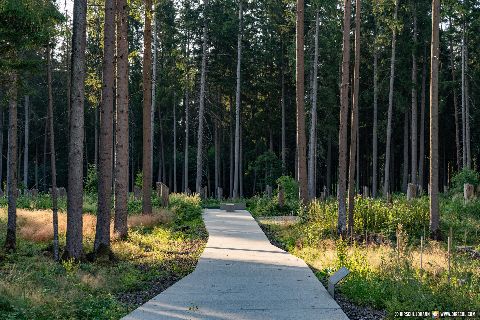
pixel 33 286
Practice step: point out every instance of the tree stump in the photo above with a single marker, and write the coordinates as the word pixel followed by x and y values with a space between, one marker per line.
pixel 468 191
pixel 268 190
pixel 411 191
pixel 281 196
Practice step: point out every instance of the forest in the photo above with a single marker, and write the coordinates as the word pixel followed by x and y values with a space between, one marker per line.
pixel 348 128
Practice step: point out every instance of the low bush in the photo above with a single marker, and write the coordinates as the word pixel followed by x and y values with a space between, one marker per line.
pixel 185 207
pixel 465 176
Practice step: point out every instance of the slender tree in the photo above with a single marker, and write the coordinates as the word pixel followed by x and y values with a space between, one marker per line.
pixel 386 183
pixel 236 174
pixel 74 245
pixel 421 157
pixel 53 159
pixel 405 152
pixel 354 126
pixel 342 131
pixel 1 149
pixel 375 124
pixel 11 238
pixel 187 121
pixel 300 93
pixel 312 156
pixel 414 100
pixel 174 142
pixel 434 57
pixel 201 111
pixel 26 139
pixel 458 148
pixel 147 107
pixel 121 126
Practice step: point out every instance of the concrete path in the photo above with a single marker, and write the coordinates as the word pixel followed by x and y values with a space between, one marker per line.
pixel 242 276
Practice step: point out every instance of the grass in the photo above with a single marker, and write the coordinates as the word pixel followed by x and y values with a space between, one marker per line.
pixel 385 272
pixel 160 250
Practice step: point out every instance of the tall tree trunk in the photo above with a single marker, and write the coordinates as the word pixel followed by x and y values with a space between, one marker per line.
pixel 201 111
pixel 329 165
pixel 95 161
pixel 237 170
pixel 435 52
pixel 240 166
pixel 388 152
pixel 1 148
pixel 375 124
pixel 174 143
pixel 147 108
pixel 217 158
pixel 121 129
pixel 74 245
pixel 36 166
pixel 414 100
pixel 284 148
pixel 25 150
pixel 312 156
pixel 102 234
pixel 154 84
pixel 405 153
pixel 11 238
pixel 232 146
pixel 354 125
pixel 52 156
pixel 421 158
pixel 343 128
pixel 300 94
pixel 455 106
pixel 467 113
pixel 464 102
pixel 187 124
pixel 44 167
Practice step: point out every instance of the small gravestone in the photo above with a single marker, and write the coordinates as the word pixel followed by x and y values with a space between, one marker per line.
pixel 219 193
pixel 281 196
pixel 188 191
pixel 468 191
pixel 445 189
pixel 137 193
pixel 365 192
pixel 389 198
pixel 164 195
pixel 34 192
pixel 158 189
pixel 411 191
pixel 322 196
pixel 27 193
pixel 336 278
pixel 62 192
pixel 268 190
pixel 204 192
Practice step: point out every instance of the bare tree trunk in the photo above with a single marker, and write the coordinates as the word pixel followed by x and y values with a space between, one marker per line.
pixel 375 124
pixel 187 124
pixel 284 148
pixel 96 138
pixel 435 52
pixel 386 183
pixel 240 174
pixel 414 101
pixel 36 166
pixel 52 156
pixel 217 158
pixel 455 106
pixel 162 150
pixel 154 84
pixel 147 109
pixel 354 125
pixel 329 165
pixel 1 148
pixel 174 142
pixel 237 170
pixel 300 94
pixel 421 159
pixel 405 153
pixel 11 238
pixel 44 167
pixel 102 234
pixel 343 128
pixel 232 146
pixel 467 113
pixel 25 150
pixel 201 111
pixel 74 245
pixel 464 102
pixel 121 129
pixel 312 156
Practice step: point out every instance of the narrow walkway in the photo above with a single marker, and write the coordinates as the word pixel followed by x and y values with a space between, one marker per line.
pixel 242 276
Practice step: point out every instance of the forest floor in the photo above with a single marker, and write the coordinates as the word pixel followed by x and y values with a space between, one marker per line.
pixel 384 280
pixel 159 251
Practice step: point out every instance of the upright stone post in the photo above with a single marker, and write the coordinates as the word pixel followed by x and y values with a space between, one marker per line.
pixel 219 194
pixel 468 191
pixel 281 196
pixel 268 190
pixel 411 191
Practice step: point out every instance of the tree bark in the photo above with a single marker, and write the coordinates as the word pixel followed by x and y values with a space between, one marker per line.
pixel 232 146
pixel 236 174
pixel 405 153
pixel 312 156
pixel 354 125
pixel 121 129
pixel 375 124
pixel 435 52
pixel 464 102
pixel 201 111
pixel 284 148
pixel 74 245
pixel 1 148
pixel 300 94
pixel 147 108
pixel 467 113
pixel 414 101
pixel 52 156
pixel 26 139
pixel 187 124
pixel 11 238
pixel 217 158
pixel 154 85
pixel 386 183
pixel 342 134
pixel 174 143
pixel 329 165
pixel 458 148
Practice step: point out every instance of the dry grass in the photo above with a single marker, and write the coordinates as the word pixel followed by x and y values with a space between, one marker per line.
pixel 37 225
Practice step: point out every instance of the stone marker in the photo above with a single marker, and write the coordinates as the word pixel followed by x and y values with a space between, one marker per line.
pixel 323 196
pixel 365 192
pixel 389 198
pixel 468 191
pixel 163 194
pixel 188 191
pixel 336 278
pixel 219 193
pixel 411 191
pixel 137 193
pixel 281 196
pixel 62 192
pixel 268 190
pixel 34 192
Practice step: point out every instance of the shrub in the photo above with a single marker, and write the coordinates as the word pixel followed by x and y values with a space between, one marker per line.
pixel 91 180
pixel 465 176
pixel 139 180
pixel 185 207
